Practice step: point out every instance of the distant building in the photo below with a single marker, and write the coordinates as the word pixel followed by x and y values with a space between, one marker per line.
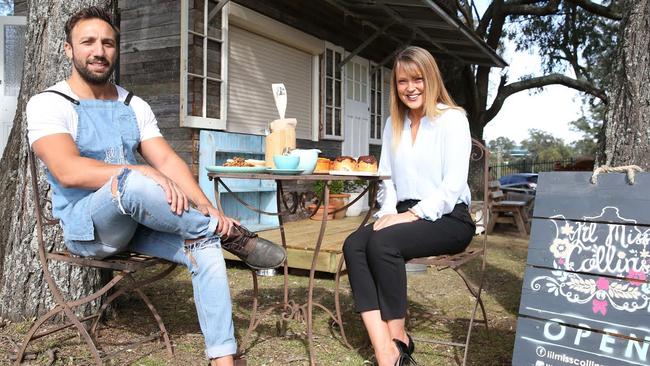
pixel 518 151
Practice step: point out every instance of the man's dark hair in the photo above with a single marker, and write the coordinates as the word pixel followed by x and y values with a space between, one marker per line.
pixel 91 12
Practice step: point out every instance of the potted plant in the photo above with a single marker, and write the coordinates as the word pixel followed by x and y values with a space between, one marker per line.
pixel 354 188
pixel 337 198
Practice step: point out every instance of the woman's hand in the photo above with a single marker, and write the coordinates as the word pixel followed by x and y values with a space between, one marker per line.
pixel 393 219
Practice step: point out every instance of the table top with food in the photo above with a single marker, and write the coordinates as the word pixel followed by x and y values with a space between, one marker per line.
pixel 303 162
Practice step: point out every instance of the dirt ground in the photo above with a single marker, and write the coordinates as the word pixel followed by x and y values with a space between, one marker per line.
pixel 439 307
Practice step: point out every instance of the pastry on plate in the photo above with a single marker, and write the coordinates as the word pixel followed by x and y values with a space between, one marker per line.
pixel 237 162
pixel 322 165
pixel 366 163
pixel 344 163
pixel 255 162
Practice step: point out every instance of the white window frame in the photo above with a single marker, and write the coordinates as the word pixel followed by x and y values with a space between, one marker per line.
pixel 324 134
pixel 378 111
pixel 204 121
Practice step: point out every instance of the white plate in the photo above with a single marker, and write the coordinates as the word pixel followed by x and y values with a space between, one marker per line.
pixel 354 173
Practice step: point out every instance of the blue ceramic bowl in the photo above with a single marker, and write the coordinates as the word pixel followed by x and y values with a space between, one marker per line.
pixel 286 161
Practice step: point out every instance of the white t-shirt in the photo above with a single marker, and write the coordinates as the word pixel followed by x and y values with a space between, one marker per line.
pixel 49 113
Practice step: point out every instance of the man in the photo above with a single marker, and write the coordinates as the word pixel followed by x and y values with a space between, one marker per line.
pixel 87 131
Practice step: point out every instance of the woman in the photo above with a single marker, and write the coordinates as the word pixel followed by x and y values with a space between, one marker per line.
pixel 424 207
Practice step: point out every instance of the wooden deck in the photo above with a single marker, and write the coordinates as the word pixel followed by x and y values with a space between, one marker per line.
pixel 301 240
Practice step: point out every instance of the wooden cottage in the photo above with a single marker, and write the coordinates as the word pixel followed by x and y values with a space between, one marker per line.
pixel 206 67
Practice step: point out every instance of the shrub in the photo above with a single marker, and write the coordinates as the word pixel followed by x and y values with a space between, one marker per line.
pixel 336 187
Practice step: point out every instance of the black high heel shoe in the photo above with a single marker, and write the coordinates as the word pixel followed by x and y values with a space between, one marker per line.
pixel 411 346
pixel 404 358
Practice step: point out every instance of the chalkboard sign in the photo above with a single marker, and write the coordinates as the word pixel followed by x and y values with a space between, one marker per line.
pixel 586 296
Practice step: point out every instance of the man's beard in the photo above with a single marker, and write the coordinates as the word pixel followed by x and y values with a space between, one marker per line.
pixel 93 78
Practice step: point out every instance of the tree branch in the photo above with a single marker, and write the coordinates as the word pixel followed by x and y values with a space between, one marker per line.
pixel 598 9
pixel 528 8
pixel 466 11
pixel 484 22
pixel 507 90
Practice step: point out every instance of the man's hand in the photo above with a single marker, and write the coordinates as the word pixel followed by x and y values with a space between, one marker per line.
pixel 393 219
pixel 224 222
pixel 176 198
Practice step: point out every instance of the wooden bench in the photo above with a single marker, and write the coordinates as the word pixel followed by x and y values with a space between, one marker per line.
pixel 508 209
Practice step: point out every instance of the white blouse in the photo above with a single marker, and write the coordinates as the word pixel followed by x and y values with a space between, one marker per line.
pixel 433 169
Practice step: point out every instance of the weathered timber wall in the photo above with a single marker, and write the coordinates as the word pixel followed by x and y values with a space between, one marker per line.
pixel 150 66
pixel 20 7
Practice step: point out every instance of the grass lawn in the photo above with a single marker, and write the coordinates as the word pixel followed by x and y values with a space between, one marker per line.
pixel 442 293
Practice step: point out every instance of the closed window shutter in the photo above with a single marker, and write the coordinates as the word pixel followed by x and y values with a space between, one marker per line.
pixel 255 63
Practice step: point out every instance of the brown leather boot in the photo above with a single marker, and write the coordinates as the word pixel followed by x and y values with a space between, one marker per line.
pixel 256 252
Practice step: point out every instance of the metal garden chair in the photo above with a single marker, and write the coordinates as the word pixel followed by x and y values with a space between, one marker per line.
pixel 478 157
pixel 122 266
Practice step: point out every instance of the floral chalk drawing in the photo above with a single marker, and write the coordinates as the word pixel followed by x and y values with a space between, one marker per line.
pixel 622 253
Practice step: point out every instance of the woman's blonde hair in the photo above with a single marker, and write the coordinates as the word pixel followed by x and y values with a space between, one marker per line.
pixel 416 61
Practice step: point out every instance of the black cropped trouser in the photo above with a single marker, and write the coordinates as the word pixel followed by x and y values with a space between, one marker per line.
pixel 375 260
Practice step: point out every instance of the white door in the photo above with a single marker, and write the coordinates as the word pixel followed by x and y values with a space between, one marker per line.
pixel 357 108
pixel 12 48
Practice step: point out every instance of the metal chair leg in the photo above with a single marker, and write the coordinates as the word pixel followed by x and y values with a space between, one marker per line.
pixel 107 302
pixel 156 316
pixel 84 334
pixel 477 302
pixel 32 331
pixel 31 335
pixel 253 316
pixel 476 293
pixel 66 307
pixel 337 303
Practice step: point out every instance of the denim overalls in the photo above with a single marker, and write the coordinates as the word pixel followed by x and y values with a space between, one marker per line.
pixel 138 218
pixel 107 131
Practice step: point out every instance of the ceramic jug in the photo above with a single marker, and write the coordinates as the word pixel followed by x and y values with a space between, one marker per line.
pixel 308 159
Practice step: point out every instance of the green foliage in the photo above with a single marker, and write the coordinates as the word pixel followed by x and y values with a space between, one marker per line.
pixel 336 187
pixel 340 186
pixel 354 186
pixel 544 146
pixel 574 41
pixel 572 38
pixel 590 128
pixel 501 144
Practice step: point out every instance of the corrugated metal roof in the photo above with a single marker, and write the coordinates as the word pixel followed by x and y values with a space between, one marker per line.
pixel 429 24
pixel 376 29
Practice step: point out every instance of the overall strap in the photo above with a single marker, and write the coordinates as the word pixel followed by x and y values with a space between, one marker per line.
pixel 127 101
pixel 69 98
pixel 128 98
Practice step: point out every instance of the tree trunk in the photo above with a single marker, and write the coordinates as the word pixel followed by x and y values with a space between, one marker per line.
pixel 23 293
pixel 627 122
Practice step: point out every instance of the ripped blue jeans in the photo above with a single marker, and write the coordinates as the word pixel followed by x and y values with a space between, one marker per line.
pixel 138 218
